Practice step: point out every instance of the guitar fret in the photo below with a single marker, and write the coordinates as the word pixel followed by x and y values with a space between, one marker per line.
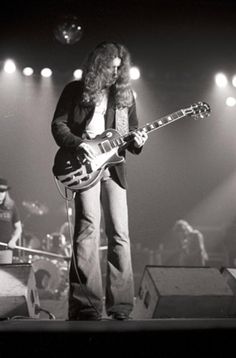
pixel 165 120
pixel 150 126
pixel 179 114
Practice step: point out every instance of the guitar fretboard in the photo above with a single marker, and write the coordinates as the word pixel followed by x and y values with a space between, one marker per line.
pixel 149 127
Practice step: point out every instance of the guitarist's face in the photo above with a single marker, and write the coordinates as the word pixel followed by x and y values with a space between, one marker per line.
pixel 113 71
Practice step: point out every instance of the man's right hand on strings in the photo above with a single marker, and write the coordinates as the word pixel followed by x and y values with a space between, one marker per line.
pixel 85 152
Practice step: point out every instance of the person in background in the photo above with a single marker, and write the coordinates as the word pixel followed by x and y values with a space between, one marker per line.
pixel 10 223
pixel 192 251
pixel 101 100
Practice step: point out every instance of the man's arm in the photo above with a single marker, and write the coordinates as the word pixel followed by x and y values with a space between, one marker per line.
pixel 140 137
pixel 202 246
pixel 17 231
pixel 64 113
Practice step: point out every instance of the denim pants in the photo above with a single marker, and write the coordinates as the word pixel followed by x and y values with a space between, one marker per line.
pixel 86 293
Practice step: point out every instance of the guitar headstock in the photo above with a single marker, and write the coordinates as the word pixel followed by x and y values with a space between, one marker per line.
pixel 198 110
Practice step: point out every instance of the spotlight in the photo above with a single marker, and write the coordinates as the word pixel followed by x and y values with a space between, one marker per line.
pixel 9 66
pixel 221 80
pixel 78 74
pixel 230 101
pixel 134 73
pixel 46 72
pixel 234 81
pixel 28 71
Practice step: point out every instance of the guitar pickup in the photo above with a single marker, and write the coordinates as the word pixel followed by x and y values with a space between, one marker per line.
pixel 105 146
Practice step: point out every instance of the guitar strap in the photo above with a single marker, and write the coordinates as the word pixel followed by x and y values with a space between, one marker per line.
pixel 121 118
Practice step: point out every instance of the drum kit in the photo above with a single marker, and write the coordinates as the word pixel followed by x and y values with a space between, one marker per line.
pixel 49 257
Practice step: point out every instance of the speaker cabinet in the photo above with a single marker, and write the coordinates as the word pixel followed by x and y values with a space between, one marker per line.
pixel 18 293
pixel 183 292
pixel 230 277
pixel 59 308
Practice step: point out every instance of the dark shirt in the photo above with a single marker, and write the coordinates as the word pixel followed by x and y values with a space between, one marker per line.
pixel 191 254
pixel 8 217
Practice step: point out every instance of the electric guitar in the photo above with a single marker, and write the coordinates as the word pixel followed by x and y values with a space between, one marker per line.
pixel 77 175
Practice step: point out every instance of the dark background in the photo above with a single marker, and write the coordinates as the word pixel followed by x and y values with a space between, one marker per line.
pixel 187 169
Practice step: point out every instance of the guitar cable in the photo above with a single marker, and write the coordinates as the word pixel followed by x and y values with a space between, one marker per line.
pixel 65 197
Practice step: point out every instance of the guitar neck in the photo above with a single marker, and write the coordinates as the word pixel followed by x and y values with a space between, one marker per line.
pixel 150 127
pixel 161 122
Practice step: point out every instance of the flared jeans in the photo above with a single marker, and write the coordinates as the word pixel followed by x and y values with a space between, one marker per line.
pixel 86 292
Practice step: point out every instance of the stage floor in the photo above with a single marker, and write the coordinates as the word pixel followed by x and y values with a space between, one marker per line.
pixel 107 325
pixel 108 338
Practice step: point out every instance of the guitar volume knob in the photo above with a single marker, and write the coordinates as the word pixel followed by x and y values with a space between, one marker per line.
pixel 109 134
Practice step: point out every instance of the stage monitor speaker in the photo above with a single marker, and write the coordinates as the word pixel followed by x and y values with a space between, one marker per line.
pixel 230 277
pixel 18 293
pixel 183 292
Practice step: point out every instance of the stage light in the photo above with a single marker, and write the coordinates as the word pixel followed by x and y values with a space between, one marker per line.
pixel 230 101
pixel 78 74
pixel 28 71
pixel 134 73
pixel 221 80
pixel 9 66
pixel 46 72
pixel 68 30
pixel 234 81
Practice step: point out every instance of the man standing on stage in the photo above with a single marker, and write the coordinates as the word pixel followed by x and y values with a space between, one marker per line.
pixel 103 99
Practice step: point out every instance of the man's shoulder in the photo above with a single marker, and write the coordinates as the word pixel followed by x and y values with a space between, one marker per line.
pixel 71 92
pixel 73 87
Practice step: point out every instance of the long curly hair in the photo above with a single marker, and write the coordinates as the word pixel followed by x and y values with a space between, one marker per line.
pixel 96 74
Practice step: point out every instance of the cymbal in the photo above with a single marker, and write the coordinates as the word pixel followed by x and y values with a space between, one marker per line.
pixel 35 207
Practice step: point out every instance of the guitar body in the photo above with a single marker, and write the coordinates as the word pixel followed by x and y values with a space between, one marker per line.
pixel 77 176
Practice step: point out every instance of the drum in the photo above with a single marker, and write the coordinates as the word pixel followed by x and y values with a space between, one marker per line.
pixel 52 242
pixel 56 243
pixel 30 241
pixel 50 276
pixel 6 256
